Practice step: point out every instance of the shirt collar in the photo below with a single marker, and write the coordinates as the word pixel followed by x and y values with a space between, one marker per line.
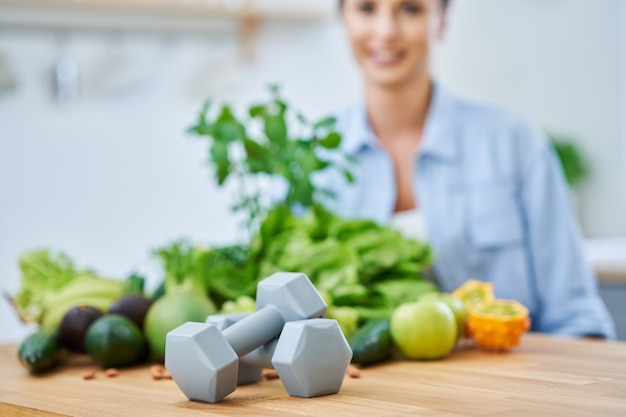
pixel 361 135
pixel 437 138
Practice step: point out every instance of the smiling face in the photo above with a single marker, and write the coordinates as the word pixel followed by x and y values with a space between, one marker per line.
pixel 392 39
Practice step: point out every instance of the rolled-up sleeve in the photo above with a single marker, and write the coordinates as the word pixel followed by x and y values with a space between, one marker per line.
pixel 565 285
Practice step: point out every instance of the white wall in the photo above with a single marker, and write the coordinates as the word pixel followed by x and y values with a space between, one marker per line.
pixel 560 62
pixel 623 79
pixel 112 176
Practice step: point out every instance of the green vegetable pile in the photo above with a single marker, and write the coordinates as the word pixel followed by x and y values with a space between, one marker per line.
pixel 358 263
pixel 363 269
pixel 51 284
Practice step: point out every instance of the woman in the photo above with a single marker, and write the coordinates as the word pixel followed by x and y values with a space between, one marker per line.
pixel 485 181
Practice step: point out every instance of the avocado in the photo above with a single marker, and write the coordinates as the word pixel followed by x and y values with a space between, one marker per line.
pixel 115 341
pixel 134 307
pixel 74 326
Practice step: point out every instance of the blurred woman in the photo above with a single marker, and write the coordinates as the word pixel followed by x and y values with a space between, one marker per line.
pixel 479 183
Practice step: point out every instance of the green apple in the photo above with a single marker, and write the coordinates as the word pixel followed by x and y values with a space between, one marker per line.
pixel 424 330
pixel 457 307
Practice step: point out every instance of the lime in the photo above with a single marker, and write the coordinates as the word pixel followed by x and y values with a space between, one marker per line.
pixel 169 312
pixel 114 341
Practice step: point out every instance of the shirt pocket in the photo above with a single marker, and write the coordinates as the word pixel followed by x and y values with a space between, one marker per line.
pixel 495 220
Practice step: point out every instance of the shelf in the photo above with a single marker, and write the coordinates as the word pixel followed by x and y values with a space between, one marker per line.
pixel 159 15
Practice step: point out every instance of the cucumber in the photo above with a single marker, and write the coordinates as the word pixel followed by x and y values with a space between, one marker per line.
pixel 40 351
pixel 371 343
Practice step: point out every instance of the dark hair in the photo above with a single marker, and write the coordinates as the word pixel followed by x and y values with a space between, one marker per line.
pixel 444 3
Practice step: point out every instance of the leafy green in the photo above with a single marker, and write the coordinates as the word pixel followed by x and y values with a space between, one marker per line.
pixel 223 273
pixel 135 284
pixel 231 274
pixel 269 142
pixel 184 265
pixel 406 290
pixel 364 268
pixel 51 283
pixel 42 271
pixel 356 262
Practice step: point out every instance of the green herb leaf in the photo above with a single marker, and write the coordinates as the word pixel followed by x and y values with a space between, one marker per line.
pixel 348 175
pixel 257 111
pixel 274 89
pixel 276 129
pixel 331 141
pixel 227 128
pixel 271 153
pixel 219 156
pixel 327 122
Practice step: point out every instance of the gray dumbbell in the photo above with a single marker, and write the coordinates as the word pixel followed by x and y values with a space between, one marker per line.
pixel 203 361
pixel 310 356
pixel 247 374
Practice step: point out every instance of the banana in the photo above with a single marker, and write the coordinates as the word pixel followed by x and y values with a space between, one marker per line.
pixel 84 290
pixel 85 286
pixel 52 316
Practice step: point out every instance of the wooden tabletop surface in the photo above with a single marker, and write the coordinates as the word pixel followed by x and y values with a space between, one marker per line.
pixel 546 376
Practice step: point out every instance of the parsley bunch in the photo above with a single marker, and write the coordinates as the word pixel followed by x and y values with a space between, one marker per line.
pixel 271 142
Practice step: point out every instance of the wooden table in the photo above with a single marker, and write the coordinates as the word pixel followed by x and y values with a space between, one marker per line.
pixel 544 377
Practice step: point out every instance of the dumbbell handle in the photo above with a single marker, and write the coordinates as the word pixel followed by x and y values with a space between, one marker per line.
pixel 262 356
pixel 254 330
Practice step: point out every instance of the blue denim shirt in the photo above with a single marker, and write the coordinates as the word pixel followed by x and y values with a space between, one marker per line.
pixel 496 209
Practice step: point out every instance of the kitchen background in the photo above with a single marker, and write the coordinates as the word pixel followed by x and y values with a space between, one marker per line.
pixel 94 104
